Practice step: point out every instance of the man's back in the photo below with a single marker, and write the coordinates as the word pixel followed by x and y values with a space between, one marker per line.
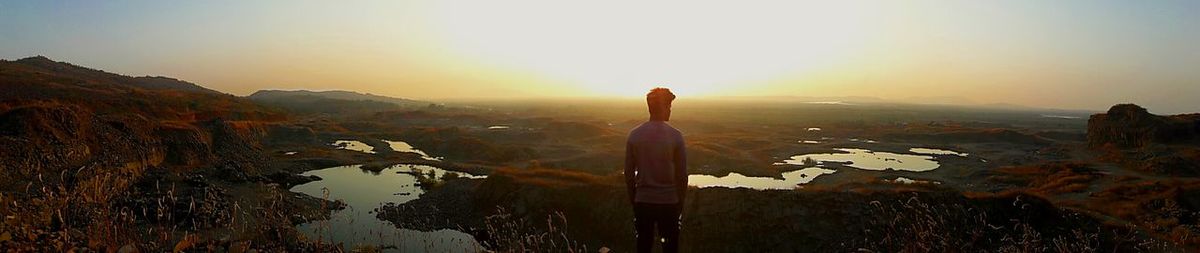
pixel 656 151
pixel 656 175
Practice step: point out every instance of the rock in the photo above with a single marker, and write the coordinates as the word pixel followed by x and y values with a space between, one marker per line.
pixel 1131 126
pixel 128 248
pixel 287 179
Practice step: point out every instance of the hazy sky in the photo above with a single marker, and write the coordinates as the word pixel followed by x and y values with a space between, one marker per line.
pixel 1085 54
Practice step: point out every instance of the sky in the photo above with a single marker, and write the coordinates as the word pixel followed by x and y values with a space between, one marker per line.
pixel 1071 54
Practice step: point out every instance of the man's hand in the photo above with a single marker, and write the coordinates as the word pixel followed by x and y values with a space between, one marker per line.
pixel 630 172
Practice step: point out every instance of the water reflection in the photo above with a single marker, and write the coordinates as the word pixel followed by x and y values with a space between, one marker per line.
pixel 1059 116
pixel 400 146
pixel 354 145
pixel 734 180
pixel 932 151
pixel 905 180
pixel 868 160
pixel 363 191
pixel 435 172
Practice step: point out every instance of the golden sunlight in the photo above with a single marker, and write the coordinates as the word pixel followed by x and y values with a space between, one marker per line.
pixel 620 49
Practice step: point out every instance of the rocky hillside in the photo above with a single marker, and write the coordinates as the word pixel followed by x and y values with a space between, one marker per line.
pixel 1130 136
pixel 57 117
pixel 96 161
pixel 1131 126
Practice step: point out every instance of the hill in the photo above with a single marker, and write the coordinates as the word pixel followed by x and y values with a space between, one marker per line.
pixel 56 116
pixel 331 102
pixel 1130 125
pixel 334 94
pixel 82 148
pixel 36 79
pixel 1132 137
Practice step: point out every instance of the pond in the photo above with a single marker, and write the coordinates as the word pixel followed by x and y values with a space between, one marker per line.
pixel 932 151
pixel 354 145
pixel 867 160
pixel 1060 116
pixel 790 180
pixel 863 140
pixel 363 191
pixel 400 146
pixel 905 180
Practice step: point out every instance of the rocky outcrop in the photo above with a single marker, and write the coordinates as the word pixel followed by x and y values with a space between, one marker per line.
pixel 1131 126
pixel 56 117
pixel 82 149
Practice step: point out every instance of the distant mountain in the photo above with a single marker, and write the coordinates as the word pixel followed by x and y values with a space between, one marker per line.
pixel 331 102
pixel 40 79
pixel 263 95
pixel 944 101
pixel 309 104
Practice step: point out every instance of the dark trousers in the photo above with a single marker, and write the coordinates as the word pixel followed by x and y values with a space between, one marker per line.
pixel 664 216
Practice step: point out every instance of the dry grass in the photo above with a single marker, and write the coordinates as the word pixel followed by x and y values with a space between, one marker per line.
pixel 914 225
pixel 511 234
pixel 556 178
pixel 110 211
pixel 1049 178
pixel 1155 206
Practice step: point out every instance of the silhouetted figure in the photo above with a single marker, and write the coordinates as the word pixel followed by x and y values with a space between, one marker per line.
pixel 656 174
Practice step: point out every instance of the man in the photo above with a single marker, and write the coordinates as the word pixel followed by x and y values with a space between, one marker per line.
pixel 656 174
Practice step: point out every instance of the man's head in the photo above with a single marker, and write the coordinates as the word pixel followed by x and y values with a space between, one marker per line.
pixel 659 102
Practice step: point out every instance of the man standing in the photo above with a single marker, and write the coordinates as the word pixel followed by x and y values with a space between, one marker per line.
pixel 656 174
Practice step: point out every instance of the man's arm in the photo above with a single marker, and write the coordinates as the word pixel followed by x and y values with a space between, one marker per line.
pixel 630 170
pixel 681 173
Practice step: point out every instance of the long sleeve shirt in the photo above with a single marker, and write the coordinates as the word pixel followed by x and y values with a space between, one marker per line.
pixel 656 164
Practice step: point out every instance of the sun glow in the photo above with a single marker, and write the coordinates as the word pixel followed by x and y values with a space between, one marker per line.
pixel 609 48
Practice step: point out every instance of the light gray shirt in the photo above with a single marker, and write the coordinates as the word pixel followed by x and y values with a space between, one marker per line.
pixel 655 164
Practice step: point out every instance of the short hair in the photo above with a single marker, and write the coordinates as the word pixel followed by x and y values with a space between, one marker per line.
pixel 659 98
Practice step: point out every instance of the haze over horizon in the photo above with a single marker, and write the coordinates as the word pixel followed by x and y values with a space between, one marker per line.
pixel 1063 54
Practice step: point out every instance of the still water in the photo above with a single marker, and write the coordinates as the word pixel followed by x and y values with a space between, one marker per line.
pixel 790 180
pixel 868 160
pixel 932 151
pixel 363 191
pixel 354 145
pixel 400 146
